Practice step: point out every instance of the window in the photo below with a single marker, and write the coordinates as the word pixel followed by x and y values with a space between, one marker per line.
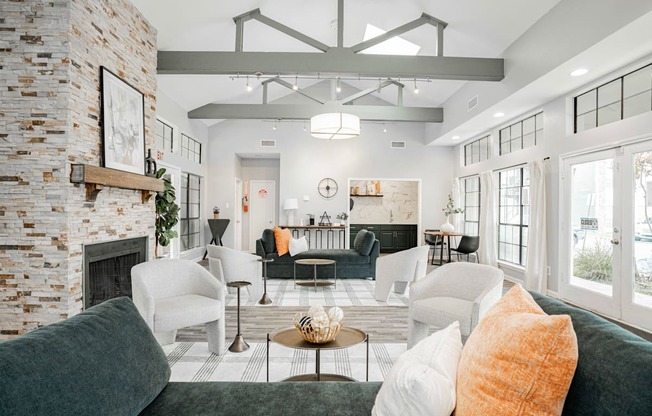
pixel 623 97
pixel 513 214
pixel 471 189
pixel 164 136
pixel 190 148
pixel 521 135
pixel 476 151
pixel 190 208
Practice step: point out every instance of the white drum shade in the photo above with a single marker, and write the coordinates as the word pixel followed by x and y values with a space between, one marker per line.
pixel 334 126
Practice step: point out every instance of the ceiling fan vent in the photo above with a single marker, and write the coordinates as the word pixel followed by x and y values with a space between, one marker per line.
pixel 268 143
pixel 473 102
pixel 397 145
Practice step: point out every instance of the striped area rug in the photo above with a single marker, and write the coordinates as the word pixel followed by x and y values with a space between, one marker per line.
pixel 192 362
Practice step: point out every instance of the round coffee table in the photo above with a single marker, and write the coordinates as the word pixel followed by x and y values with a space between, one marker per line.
pixel 314 263
pixel 290 337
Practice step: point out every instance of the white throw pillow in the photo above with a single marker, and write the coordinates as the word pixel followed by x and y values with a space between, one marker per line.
pixel 298 245
pixel 422 381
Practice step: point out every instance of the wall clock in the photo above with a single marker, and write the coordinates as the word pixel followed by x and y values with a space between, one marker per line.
pixel 327 187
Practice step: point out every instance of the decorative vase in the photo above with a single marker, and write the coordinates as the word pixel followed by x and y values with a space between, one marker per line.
pixel 150 164
pixel 447 227
pixel 216 216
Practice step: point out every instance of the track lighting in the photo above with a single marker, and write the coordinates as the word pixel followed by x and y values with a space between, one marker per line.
pixel 416 89
pixel 379 86
pixel 296 83
pixel 338 88
pixel 249 88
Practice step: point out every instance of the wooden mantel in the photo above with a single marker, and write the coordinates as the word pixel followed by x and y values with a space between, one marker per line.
pixel 95 178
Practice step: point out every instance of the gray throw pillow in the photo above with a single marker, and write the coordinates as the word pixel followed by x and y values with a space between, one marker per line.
pixel 364 242
pixel 269 241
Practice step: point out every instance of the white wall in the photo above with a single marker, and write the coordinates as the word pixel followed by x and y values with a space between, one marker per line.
pixel 172 114
pixel 304 161
pixel 560 141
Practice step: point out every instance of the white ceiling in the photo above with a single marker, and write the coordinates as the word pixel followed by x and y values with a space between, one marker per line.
pixel 476 28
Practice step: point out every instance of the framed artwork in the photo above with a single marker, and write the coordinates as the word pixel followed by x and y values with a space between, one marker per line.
pixel 123 124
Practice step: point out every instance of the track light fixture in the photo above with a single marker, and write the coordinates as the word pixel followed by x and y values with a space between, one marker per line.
pixel 338 88
pixel 416 89
pixel 379 86
pixel 248 87
pixel 296 83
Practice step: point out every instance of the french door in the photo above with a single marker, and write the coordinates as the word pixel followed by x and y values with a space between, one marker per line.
pixel 606 240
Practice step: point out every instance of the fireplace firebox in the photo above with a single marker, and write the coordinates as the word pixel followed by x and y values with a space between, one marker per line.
pixel 107 268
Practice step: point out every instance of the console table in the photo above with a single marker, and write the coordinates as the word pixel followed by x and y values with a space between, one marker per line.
pixel 317 231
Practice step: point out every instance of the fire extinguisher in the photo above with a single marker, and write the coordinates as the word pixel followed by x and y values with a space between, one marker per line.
pixel 245 203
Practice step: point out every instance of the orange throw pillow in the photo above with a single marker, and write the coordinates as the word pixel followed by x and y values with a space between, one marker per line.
pixel 517 361
pixel 282 237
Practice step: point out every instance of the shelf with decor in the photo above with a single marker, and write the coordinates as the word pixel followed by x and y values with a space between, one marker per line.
pixel 96 178
pixel 367 196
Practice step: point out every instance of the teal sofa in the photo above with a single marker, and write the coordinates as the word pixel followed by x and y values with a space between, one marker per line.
pixel 105 361
pixel 357 262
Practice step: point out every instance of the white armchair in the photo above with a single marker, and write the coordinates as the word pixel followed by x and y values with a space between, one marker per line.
pixel 399 269
pixel 455 292
pixel 229 265
pixel 173 294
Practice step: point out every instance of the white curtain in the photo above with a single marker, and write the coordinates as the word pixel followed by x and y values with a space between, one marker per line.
pixel 488 220
pixel 457 219
pixel 536 276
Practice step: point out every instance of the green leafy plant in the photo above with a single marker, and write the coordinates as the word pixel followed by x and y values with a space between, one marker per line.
pixel 450 207
pixel 594 263
pixel 167 213
pixel 342 216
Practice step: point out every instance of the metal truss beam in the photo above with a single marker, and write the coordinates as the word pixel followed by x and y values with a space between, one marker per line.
pixel 304 112
pixel 335 62
pixel 368 91
pixel 289 86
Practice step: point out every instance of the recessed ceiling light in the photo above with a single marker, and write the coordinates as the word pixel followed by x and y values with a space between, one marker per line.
pixel 455 137
pixel 499 114
pixel 579 72
pixel 393 46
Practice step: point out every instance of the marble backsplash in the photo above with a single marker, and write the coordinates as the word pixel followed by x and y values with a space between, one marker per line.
pixel 398 204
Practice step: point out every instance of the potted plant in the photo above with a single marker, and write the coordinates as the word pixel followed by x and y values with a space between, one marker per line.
pixel 167 213
pixel 450 209
pixel 342 216
pixel 216 212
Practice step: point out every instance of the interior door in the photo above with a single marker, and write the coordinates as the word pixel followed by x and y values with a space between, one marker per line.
pixel 238 215
pixel 262 210
pixel 591 232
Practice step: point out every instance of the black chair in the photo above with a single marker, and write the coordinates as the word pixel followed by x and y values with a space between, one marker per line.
pixel 468 244
pixel 434 242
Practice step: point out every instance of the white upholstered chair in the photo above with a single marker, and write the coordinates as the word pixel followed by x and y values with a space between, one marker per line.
pixel 173 294
pixel 454 292
pixel 229 265
pixel 399 269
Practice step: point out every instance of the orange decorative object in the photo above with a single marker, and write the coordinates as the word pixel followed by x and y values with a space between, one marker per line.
pixel 245 203
pixel 517 361
pixel 282 237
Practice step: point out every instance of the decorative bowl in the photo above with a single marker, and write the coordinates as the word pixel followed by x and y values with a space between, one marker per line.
pixel 319 327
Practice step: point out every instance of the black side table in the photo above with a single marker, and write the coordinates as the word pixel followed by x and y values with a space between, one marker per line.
pixel 218 227
pixel 238 344
pixel 265 300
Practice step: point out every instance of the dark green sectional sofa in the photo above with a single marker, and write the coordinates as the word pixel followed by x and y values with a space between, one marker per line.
pixel 105 361
pixel 357 262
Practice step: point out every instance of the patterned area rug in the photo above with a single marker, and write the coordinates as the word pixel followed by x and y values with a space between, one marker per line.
pixel 192 362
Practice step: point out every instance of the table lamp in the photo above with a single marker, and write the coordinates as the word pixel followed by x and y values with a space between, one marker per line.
pixel 290 205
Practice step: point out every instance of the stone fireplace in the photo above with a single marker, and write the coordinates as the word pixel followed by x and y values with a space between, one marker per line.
pixel 51 56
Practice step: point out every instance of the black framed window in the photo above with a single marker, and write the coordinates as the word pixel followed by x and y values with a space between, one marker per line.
pixel 164 136
pixel 190 208
pixel 615 100
pixel 190 148
pixel 471 191
pixel 521 135
pixel 476 151
pixel 513 214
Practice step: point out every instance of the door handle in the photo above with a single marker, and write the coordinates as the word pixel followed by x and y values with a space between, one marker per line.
pixel 615 242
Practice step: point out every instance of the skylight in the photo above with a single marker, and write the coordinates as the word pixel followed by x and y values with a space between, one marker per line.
pixel 393 46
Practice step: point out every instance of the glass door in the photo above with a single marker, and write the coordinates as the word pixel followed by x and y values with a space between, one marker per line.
pixel 591 230
pixel 607 232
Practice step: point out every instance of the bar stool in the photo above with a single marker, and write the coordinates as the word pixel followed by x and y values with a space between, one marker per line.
pixel 238 344
pixel 265 300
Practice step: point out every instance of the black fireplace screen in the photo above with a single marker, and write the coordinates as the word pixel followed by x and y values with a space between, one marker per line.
pixel 107 268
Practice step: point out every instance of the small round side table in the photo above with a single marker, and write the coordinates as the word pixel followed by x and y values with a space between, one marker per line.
pixel 238 344
pixel 265 300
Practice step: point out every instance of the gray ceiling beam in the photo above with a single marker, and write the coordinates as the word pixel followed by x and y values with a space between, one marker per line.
pixel 335 62
pixel 257 15
pixel 340 23
pixel 368 91
pixel 424 19
pixel 306 111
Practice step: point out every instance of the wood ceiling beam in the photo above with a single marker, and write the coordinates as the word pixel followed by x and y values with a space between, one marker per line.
pixel 306 111
pixel 334 62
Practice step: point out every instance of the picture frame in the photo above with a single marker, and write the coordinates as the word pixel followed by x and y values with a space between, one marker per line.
pixel 123 124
